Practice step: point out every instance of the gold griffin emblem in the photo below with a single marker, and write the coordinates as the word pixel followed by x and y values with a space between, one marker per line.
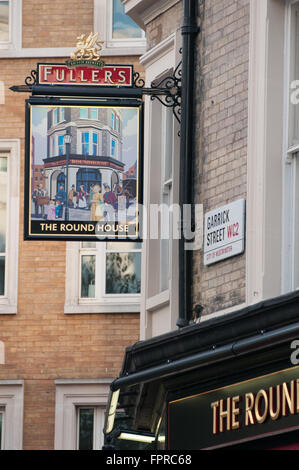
pixel 87 47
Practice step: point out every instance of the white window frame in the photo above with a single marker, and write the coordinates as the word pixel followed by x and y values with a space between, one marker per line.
pixel 72 394
pixel 14 49
pixel 5 44
pixel 159 307
pixel 12 399
pixel 102 303
pixel 8 302
pixel 267 171
pixel 103 24
pixel 112 42
pixel 166 193
pixel 90 132
pixel 15 28
pixel 100 253
pixel 290 267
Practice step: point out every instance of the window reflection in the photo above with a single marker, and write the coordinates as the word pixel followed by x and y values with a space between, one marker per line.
pixel 88 276
pixel 123 26
pixel 86 425
pixel 3 164
pixel 123 273
pixel 2 275
pixel 4 21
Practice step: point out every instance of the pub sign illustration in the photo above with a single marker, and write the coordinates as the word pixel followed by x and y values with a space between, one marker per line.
pixel 83 169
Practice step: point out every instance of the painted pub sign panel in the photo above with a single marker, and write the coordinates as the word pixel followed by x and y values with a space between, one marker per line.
pixel 83 169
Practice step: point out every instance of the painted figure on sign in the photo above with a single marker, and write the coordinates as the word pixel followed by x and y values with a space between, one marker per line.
pixel 72 197
pixel 60 200
pixel 110 197
pixel 97 204
pixel 82 198
pixel 51 210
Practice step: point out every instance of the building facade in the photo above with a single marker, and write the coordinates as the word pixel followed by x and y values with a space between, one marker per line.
pixel 65 316
pixel 236 336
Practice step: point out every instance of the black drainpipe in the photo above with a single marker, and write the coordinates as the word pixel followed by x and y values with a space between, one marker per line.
pixel 189 31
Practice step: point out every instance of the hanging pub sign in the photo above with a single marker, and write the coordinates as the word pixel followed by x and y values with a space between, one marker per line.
pixel 83 170
pixel 83 167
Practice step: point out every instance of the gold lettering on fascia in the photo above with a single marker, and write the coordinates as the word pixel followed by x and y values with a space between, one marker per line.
pixel 272 403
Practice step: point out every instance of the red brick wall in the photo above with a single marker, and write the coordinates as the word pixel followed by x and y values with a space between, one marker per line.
pixel 52 23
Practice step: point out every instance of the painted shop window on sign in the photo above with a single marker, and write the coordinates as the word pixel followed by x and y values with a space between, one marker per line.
pixel 90 167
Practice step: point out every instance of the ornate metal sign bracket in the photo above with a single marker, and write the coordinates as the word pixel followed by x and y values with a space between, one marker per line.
pixel 167 90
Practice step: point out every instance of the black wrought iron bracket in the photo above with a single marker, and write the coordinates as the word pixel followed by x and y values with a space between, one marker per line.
pixel 167 90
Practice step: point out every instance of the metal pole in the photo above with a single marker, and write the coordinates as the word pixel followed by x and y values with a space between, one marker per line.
pixel 189 31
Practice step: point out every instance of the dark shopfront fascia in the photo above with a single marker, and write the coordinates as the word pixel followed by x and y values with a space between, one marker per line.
pixel 224 383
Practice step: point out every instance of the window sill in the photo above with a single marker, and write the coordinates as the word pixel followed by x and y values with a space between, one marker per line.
pixel 8 309
pixel 35 52
pixel 124 50
pixel 6 46
pixel 111 307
